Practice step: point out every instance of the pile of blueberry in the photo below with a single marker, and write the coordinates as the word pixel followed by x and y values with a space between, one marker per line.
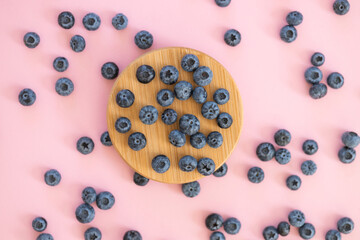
pixel 214 222
pixel 347 153
pixel 289 33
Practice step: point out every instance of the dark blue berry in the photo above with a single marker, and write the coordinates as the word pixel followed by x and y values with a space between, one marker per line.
pixel 310 147
pixel 187 163
pixel 39 224
pixel 256 175
pixel 27 97
pixel 66 20
pixel 169 116
pixel 64 86
pixel 145 74
pixel 91 21
pixel 60 64
pixel 294 18
pixel 288 33
pixel 140 180
pixel 169 75
pixel 341 7
pixel 132 235
pixel 296 218
pixel 224 120
pixel 105 200
pixel 293 182
pixel 177 138
pixel 221 171
pixel 222 3
pixel 345 225
pixel 221 96
pixel 109 70
pixel 85 145
pixel 105 139
pixel 206 166
pixel 317 59
pixel 214 222
pixel 52 177
pixel 92 234
pixel 31 39
pixel 119 21
pixel 189 124
pixel 210 110
pixel 191 189
pixel 122 125
pixel 148 115
pixel 282 137
pixel 77 43
pixel 45 236
pixel 335 80
pixel 270 233
pixel 217 236
pixel 308 167
pixel 214 139
pixel 137 141
pixel 283 229
pixel 160 163
pixel 313 75
pixel 125 98
pixel 199 95
pixel 232 37
pixel 333 235
pixel 88 195
pixel 232 226
pixel 165 97
pixel 265 151
pixel 144 39
pixel 318 90
pixel 198 140
pixel 85 213
pixel 190 62
pixel 307 231
pixel 203 76
pixel 282 156
pixel 350 139
pixel 347 155
pixel 183 90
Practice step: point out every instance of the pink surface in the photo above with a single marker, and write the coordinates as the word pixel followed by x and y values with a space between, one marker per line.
pixel 269 74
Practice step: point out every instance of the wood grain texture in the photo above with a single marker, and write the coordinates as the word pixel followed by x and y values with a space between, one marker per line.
pixel 157 134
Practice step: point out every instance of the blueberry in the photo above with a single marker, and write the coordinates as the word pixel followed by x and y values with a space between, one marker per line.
pixel 85 145
pixel 140 180
pixel 39 224
pixel 265 151
pixel 160 163
pixel 232 226
pixel 270 233
pixel 222 3
pixel 190 62
pixel 203 76
pixel 282 156
pixel 317 59
pixel 214 222
pixel 144 39
pixel 214 139
pixel 307 231
pixel 198 140
pixel 296 218
pixel 347 155
pixel 64 86
pixel 341 7
pixel 105 200
pixel 109 70
pixel 165 97
pixel 125 98
pixel 105 139
pixel 169 75
pixel 132 235
pixel 224 120
pixel 288 33
pixel 221 96
pixel 206 166
pixel 294 18
pixel 66 20
pixel 333 235
pixel 77 43
pixel 52 177
pixel 191 189
pixel 232 37
pixel 145 74
pixel 187 163
pixel 137 141
pixel 60 64
pixel 177 138
pixel 256 175
pixel 345 225
pixel 27 97
pixel 308 167
pixel 91 21
pixel 350 139
pixel 199 95
pixel 45 236
pixel 88 195
pixel 335 80
pixel 148 115
pixel 31 39
pixel 282 137
pixel 221 171
pixel 210 110
pixel 183 90
pixel 293 182
pixel 318 90
pixel 313 75
pixel 189 124
pixel 119 21
pixel 283 229
pixel 169 116
pixel 85 213
pixel 217 236
pixel 92 234
pixel 310 147
pixel 122 125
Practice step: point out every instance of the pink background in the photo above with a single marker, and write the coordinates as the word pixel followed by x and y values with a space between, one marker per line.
pixel 268 72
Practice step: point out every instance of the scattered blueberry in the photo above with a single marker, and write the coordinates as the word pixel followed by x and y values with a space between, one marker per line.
pixel 221 171
pixel 119 21
pixel 189 124
pixel 282 137
pixel 288 33
pixel 210 110
pixel 183 90
pixel 85 213
pixel 296 218
pixel 148 115
pixel 60 64
pixel 222 3
pixel 347 155
pixel 125 98
pixel 105 139
pixel 318 90
pixel 169 75
pixel 206 166
pixel 310 147
pixel 345 225
pixel 256 175
pixel 66 20
pixel 27 97
pixel 307 231
pixel 45 236
pixel 335 80
pixel 191 189
pixel 317 59
pixel 217 236
pixel 341 7
pixel 77 43
pixel 350 139
pixel 333 235
pixel 282 156
pixel 85 145
pixel 165 97
pixel 105 200
pixel 132 235
pixel 140 180
pixel 283 229
pixel 313 75
pixel 160 163
pixel 31 39
pixel 308 167
pixel 122 125
pixel 203 76
pixel 293 182
pixel 270 233
pixel 88 195
pixel 177 138
pixel 169 116
pixel 221 96
pixel 187 163
pixel 232 37
pixel 109 70
pixel 144 39
pixel 92 234
pixel 199 95
pixel 91 21
pixel 52 177
pixel 294 18
pixel 64 86
pixel 145 74
pixel 214 222
pixel 232 226
pixel 265 151
pixel 198 140
pixel 137 141
pixel 39 224
pixel 224 120
pixel 214 139
pixel 190 62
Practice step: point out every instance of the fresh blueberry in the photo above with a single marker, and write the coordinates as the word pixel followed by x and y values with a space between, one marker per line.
pixel 85 213
pixel 282 137
pixel 169 75
pixel 317 59
pixel 341 7
pixel 39 224
pixel 91 21
pixel 77 43
pixel 187 163
pixel 27 97
pixel 140 180
pixel 137 141
pixel 85 145
pixel 45 236
pixel 148 115
pixel 165 97
pixel 183 90
pixel 282 156
pixel 199 95
pixel 60 64
pixel 105 200
pixel 190 62
pixel 221 96
pixel 122 125
pixel 335 80
pixel 119 21
pixel 145 74
pixel 232 226
pixel 293 182
pixel 125 98
pixel 144 39
pixel 160 163
pixel 191 189
pixel 169 116
pixel 307 231
pixel 52 177
pixel 132 235
pixel 31 39
pixel 221 171
pixel 283 229
pixel 64 86
pixel 206 166
pixel 222 3
pixel 109 70
pixel 288 33
pixel 232 37
pixel 313 75
pixel 92 234
pixel 189 124
pixel 214 139
pixel 105 139
pixel 294 18
pixel 88 195
pixel 217 236
pixel 333 235
pixel 265 151
pixel 214 222
pixel 318 90
pixel 203 76
pixel 345 225
pixel 66 20
pixel 270 233
pixel 308 167
pixel 310 147
pixel 347 155
pixel 224 120
pixel 198 140
pixel 296 218
pixel 210 110
pixel 256 175
pixel 350 139
pixel 177 138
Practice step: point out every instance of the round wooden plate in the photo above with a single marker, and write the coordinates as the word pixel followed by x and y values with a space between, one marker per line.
pixel 157 134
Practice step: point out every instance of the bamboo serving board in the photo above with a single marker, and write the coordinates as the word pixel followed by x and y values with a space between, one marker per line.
pixel 157 134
